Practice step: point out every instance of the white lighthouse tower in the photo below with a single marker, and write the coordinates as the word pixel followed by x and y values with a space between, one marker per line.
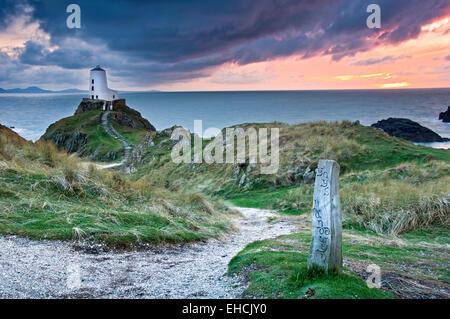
pixel 98 86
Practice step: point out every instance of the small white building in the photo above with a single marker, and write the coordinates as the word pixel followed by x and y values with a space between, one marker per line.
pixel 98 86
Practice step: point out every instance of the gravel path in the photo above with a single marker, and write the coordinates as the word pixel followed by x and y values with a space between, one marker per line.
pixel 48 269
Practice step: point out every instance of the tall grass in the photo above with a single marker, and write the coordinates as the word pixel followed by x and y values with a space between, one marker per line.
pixel 394 207
pixel 44 193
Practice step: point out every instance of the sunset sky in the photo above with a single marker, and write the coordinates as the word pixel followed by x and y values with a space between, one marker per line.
pixel 226 45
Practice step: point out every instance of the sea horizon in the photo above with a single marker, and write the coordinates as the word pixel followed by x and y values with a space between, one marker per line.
pixel 225 108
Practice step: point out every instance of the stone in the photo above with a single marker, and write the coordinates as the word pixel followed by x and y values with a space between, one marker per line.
pixel 445 116
pixel 326 245
pixel 408 130
pixel 242 180
pixel 308 176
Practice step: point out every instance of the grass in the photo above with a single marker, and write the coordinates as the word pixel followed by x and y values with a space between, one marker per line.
pixel 132 135
pixel 276 268
pixel 394 196
pixel 100 146
pixel 402 188
pixel 46 194
pixel 392 201
pixel 101 143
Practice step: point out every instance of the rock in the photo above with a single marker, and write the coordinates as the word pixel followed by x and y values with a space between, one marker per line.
pixel 87 105
pixel 242 180
pixel 111 155
pixel 308 176
pixel 123 119
pixel 445 116
pixel 408 130
pixel 71 142
pixel 167 132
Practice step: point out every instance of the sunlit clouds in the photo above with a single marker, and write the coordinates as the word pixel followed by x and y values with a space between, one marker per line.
pixel 297 45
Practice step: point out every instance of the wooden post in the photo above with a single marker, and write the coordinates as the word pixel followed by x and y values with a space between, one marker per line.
pixel 326 245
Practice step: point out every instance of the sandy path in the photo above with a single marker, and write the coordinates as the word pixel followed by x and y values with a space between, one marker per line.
pixel 43 269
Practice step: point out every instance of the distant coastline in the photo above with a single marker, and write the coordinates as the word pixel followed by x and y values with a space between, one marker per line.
pixel 35 89
pixel 38 90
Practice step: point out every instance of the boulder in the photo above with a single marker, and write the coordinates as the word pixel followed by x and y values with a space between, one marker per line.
pixel 445 116
pixel 408 130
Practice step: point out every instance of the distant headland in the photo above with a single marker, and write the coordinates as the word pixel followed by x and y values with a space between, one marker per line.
pixel 38 90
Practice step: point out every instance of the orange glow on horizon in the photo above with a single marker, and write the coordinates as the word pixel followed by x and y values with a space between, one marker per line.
pixel 394 85
pixel 416 63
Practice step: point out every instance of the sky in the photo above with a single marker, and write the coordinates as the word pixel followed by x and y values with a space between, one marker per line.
pixel 180 45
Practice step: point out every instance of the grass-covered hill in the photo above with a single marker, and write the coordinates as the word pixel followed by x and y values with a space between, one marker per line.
pixel 388 185
pixel 395 200
pixel 11 137
pixel 47 194
pixel 84 134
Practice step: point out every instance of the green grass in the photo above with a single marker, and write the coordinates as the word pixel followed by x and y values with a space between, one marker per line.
pixel 388 201
pixel 45 194
pixel 385 151
pixel 100 146
pixel 259 198
pixel 275 270
pixel 132 135
pixel 101 143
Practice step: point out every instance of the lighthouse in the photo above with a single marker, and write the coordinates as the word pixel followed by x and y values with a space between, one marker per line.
pixel 98 86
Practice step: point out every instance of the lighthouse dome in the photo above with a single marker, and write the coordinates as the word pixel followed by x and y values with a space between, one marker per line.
pixel 98 68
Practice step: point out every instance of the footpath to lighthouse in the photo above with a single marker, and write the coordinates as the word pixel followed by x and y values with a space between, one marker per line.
pixel 113 133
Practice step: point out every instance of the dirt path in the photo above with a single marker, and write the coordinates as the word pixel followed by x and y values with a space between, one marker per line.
pixel 43 269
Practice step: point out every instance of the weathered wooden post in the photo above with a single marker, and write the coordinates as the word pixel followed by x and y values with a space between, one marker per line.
pixel 326 245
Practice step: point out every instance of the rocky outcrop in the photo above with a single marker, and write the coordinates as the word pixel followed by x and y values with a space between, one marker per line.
pixel 445 116
pixel 127 116
pixel 121 113
pixel 71 142
pixel 408 130
pixel 88 105
pixel 123 119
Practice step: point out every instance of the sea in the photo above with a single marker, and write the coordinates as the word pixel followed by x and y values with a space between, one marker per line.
pixel 31 114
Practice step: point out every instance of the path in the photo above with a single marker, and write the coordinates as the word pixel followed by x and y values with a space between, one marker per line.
pixel 38 269
pixel 113 133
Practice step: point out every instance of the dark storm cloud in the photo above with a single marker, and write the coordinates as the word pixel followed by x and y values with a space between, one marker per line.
pixel 10 8
pixel 177 40
pixel 37 54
